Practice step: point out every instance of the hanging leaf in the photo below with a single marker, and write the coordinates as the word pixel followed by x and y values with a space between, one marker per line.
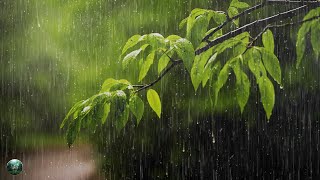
pixel 198 68
pixel 222 79
pixel 315 33
pixel 208 71
pixel 199 29
pixel 183 23
pixel 267 94
pixel 154 101
pixel 132 56
pixel 219 17
pixel 122 119
pixel 146 66
pixel 130 43
pixel 164 60
pixel 71 111
pixel 185 51
pixel 301 42
pixel 191 19
pixel 136 106
pixel 232 11
pixel 271 63
pixel 268 41
pixel 238 4
pixel 106 110
pixel 242 86
pixel 255 63
pixel 156 40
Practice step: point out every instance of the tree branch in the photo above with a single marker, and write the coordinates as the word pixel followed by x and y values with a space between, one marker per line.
pixel 174 63
pixel 266 23
pixel 256 24
pixel 258 6
pixel 279 2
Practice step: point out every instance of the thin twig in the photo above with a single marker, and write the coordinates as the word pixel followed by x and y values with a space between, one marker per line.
pixel 247 11
pixel 175 62
pixel 262 22
pixel 294 23
pixel 257 23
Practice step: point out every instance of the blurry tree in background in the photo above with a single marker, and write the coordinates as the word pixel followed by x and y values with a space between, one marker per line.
pixel 54 53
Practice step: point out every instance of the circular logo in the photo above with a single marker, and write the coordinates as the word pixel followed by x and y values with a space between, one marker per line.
pixel 14 166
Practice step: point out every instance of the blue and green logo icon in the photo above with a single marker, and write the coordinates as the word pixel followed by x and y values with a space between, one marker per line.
pixel 14 166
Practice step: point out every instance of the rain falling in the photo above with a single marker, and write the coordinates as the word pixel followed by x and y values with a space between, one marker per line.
pixel 159 89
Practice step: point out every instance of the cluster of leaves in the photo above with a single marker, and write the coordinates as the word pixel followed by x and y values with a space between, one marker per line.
pixel 118 97
pixel 111 105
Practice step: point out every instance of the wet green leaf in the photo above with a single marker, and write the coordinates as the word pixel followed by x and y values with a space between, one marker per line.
pixel 207 70
pixel 238 4
pixel 136 106
pixel 271 63
pixel 130 43
pixel 185 51
pixel 268 40
pixel 267 94
pixel 198 68
pixel 164 60
pixel 154 101
pixel 301 42
pixel 122 119
pixel 106 111
pixel 232 11
pixel 132 56
pixel 242 86
pixel 315 34
pixel 146 65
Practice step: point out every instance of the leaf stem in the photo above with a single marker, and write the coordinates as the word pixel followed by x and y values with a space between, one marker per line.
pixel 173 64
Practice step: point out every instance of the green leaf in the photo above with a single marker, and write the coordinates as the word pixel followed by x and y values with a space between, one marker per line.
pixel 268 40
pixel 72 133
pixel 130 57
pixel 271 63
pixel 136 106
pixel 191 19
pixel 183 23
pixel 207 71
pixel 315 34
pixel 242 38
pixel 242 86
pixel 74 108
pixel 106 109
pixel 146 65
pixel 198 68
pixel 222 79
pixel 199 29
pixel 122 119
pixel 154 101
pixel 185 51
pixel 111 84
pixel 130 43
pixel 255 63
pixel 267 94
pixel 240 5
pixel 301 42
pixel 232 11
pixel 156 40
pixel 219 17
pixel 164 60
